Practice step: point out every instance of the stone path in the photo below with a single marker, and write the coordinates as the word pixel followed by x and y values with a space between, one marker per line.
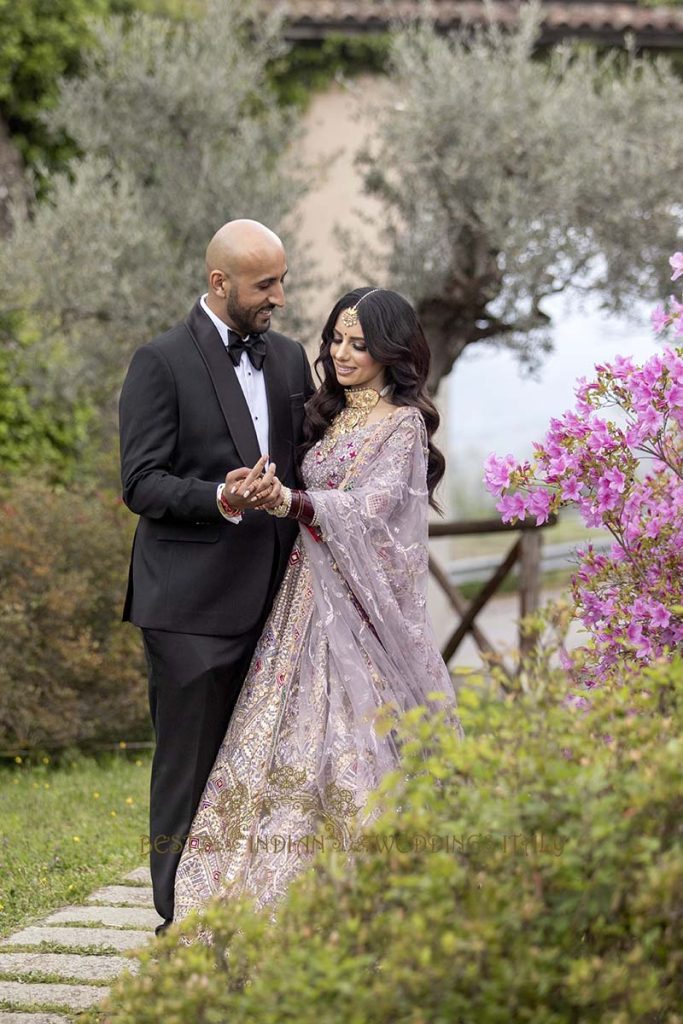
pixel 58 966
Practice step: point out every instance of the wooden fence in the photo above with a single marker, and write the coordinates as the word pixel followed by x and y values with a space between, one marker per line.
pixel 525 552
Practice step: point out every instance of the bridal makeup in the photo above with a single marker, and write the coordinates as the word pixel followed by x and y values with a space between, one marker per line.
pixel 353 364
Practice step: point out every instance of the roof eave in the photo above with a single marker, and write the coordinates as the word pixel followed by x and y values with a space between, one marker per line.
pixel 606 35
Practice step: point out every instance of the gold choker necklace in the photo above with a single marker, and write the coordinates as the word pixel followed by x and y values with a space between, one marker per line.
pixel 360 401
pixel 361 398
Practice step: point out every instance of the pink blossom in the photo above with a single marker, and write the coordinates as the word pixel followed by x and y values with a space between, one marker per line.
pixel 629 479
pixel 539 506
pixel 576 700
pixel 676 262
pixel 566 660
pixel 650 420
pixel 570 488
pixel 621 367
pixel 497 472
pixel 511 507
pixel 660 319
pixel 659 615
pixel 600 436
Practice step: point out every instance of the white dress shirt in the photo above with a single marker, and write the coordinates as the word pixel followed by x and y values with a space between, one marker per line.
pixel 253 384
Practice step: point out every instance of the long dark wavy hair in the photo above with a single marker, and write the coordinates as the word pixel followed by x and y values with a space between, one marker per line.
pixel 394 337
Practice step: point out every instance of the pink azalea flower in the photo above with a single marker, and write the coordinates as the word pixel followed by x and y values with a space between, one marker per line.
pixel 622 366
pixel 570 488
pixel 497 472
pixel 659 615
pixel 539 506
pixel 631 593
pixel 511 507
pixel 660 319
pixel 676 263
pixel 650 420
pixel 565 659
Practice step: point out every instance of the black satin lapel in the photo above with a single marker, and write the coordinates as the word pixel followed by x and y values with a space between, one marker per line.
pixel 228 391
pixel 279 413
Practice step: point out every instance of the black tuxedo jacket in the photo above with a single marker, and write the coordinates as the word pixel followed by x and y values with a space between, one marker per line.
pixel 184 423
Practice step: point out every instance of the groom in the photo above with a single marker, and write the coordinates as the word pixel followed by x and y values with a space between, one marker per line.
pixel 199 404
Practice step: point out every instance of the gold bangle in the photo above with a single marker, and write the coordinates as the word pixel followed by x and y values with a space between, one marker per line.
pixel 282 510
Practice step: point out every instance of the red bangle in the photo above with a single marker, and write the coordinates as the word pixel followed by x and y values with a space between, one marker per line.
pixel 302 508
pixel 227 507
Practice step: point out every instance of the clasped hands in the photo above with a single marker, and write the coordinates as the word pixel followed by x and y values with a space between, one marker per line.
pixel 253 488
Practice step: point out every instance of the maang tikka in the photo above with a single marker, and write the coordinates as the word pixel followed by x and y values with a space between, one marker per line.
pixel 349 317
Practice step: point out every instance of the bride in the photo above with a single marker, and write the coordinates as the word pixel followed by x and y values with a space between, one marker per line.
pixel 348 635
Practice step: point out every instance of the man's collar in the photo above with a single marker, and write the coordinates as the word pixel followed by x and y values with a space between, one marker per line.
pixel 219 324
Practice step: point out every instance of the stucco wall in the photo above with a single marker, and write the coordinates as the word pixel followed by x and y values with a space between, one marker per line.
pixel 337 124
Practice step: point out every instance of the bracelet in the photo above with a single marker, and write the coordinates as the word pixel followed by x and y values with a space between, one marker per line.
pixel 282 510
pixel 297 505
pixel 229 509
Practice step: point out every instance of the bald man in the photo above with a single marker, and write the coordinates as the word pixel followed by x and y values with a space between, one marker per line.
pixel 200 405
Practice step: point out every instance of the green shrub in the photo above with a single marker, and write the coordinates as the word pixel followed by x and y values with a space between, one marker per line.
pixel 41 424
pixel 577 919
pixel 39 44
pixel 70 670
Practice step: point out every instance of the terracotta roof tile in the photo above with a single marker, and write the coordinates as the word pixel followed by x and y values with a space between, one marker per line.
pixel 656 25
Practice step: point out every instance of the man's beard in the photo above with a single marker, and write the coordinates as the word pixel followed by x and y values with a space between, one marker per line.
pixel 245 319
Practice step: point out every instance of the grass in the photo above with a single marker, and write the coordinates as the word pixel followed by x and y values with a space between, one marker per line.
pixel 66 829
pixel 45 978
pixel 60 947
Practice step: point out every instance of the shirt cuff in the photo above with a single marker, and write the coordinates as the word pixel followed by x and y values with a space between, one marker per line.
pixel 230 519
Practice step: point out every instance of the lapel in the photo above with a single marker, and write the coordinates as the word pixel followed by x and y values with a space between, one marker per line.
pixel 279 413
pixel 227 387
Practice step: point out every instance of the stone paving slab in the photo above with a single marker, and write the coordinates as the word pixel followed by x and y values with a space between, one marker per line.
pixel 123 918
pixel 112 917
pixel 140 876
pixel 118 938
pixel 14 1017
pixel 73 997
pixel 67 965
pixel 123 895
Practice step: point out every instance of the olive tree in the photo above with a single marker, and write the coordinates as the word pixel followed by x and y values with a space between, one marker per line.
pixel 178 132
pixel 505 179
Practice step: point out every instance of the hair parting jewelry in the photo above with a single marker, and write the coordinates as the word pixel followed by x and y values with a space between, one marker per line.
pixel 349 316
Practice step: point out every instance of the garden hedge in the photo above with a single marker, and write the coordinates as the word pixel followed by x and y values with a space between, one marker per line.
pixel 534 875
pixel 71 672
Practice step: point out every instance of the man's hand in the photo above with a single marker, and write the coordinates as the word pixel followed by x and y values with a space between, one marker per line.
pixel 251 488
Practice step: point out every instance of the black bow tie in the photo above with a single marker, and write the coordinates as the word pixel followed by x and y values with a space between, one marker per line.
pixel 254 346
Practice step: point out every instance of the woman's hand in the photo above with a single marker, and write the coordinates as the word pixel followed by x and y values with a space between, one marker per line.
pixel 274 497
pixel 252 488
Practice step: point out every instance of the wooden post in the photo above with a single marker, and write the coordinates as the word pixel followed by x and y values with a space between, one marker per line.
pixel 529 579
pixel 527 551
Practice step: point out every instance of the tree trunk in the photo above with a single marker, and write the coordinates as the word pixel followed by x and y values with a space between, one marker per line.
pixel 446 336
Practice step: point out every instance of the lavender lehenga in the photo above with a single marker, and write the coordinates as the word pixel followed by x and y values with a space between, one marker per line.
pixel 347 634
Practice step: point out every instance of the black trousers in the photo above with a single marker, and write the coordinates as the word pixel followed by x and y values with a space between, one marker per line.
pixel 194 683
